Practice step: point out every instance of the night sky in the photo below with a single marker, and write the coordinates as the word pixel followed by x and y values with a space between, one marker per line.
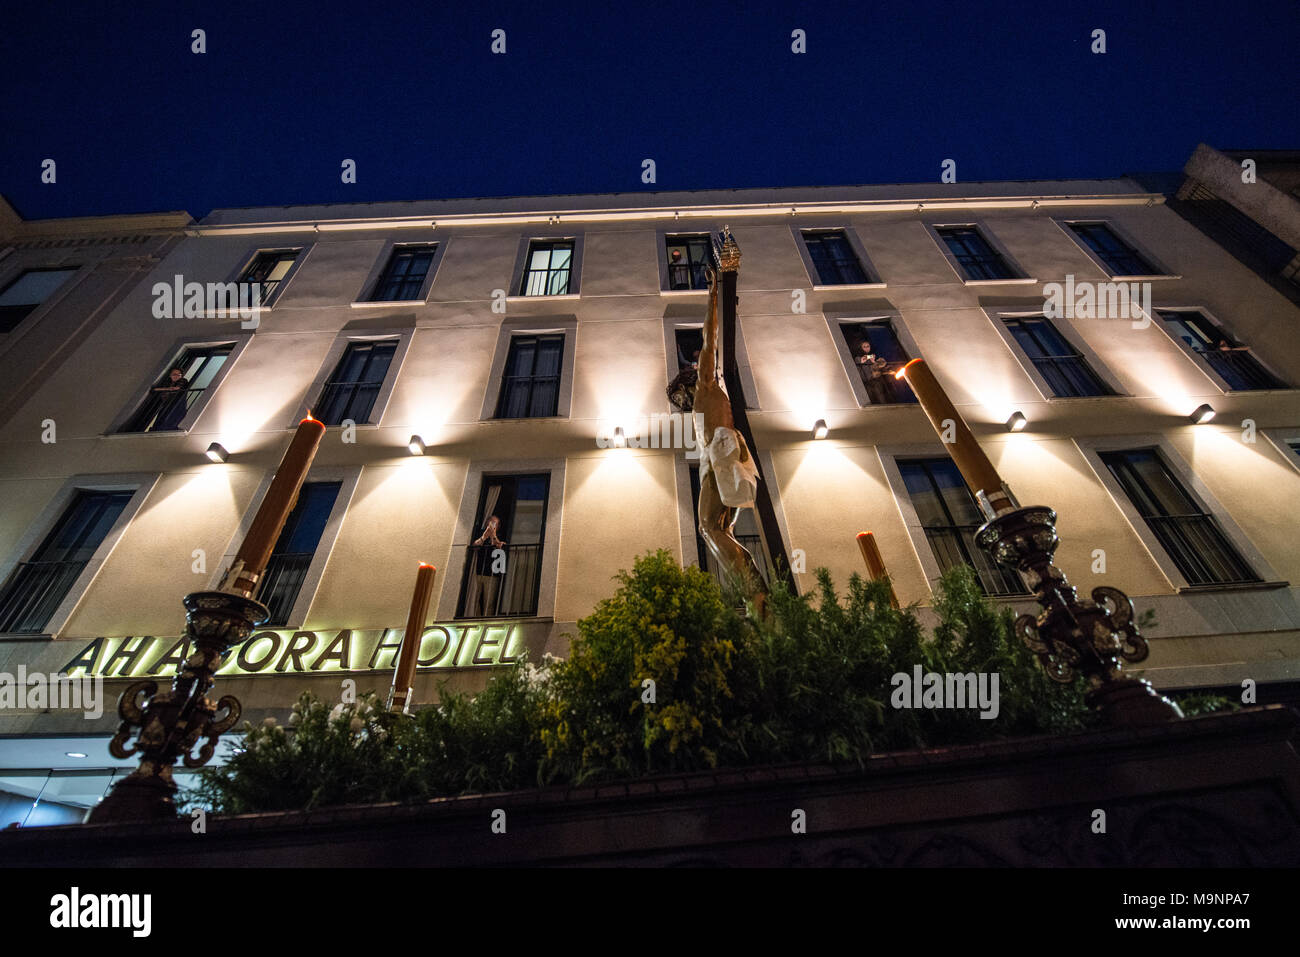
pixel 712 92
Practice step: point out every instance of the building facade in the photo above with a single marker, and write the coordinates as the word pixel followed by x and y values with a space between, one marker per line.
pixel 507 359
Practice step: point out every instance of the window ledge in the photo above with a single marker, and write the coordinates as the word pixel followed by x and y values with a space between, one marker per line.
pixel 1151 278
pixel 381 303
pixel 849 285
pixel 25 636
pixel 1027 281
pixel 136 435
pixel 1236 586
pixel 567 295
pixel 669 292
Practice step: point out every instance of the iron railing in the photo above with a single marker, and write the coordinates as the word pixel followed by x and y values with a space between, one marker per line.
pixel 954 545
pixel 281 583
pixel 1240 370
pixel 159 408
pixel 1200 550
pixel 487 591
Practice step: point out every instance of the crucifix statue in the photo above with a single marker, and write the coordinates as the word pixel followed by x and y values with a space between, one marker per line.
pixel 730 476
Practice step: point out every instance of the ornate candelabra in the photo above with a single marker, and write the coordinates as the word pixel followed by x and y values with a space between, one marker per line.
pixel 1073 635
pixel 172 722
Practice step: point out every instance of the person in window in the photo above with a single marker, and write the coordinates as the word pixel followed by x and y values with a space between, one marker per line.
pixel 873 369
pixel 486 581
pixel 171 395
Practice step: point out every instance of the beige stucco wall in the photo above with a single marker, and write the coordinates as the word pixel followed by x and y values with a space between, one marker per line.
pixel 617 504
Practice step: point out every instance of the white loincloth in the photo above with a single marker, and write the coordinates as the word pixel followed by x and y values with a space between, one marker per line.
pixel 737 480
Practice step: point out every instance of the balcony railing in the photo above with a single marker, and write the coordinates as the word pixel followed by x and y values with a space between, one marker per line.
pixel 955 545
pixel 163 411
pixel 885 389
pixel 687 276
pixel 839 272
pixel 1069 376
pixel 34 592
pixel 347 400
pixel 511 593
pixel 1200 550
pixel 281 583
pixel 1240 370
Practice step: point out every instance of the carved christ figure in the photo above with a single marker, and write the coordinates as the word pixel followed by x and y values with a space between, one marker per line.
pixel 728 475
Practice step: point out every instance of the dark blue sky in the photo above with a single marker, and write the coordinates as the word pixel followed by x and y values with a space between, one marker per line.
pixel 585 92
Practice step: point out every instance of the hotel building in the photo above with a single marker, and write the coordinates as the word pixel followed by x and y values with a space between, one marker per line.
pixel 477 358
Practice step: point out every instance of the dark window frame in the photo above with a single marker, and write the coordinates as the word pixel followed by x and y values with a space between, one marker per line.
pixel 1060 372
pixel 847 269
pixel 12 316
pixel 969 259
pixel 551 245
pixel 262 264
pixel 688 275
pixel 511 381
pixel 286 572
pixel 356 397
pixel 532 554
pixel 34 590
pixel 1105 243
pixel 1185 534
pixel 994 579
pixel 155 409
pixel 888 389
pixel 1237 367
pixel 389 282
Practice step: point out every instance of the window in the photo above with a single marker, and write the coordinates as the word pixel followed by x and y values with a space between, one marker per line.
pixel 1063 367
pixel 746 531
pixel 1120 258
pixel 948 514
pixel 690 342
pixel 38 586
pixel 503 565
pixel 977 258
pixel 687 258
pixel 833 258
pixel 294 550
pixel 1233 363
pixel 27 292
pixel 1294 446
pixel 877 355
pixel 269 268
pixel 530 387
pixel 403 277
pixel 171 399
pixel 548 269
pixel 1191 536
pixel 351 390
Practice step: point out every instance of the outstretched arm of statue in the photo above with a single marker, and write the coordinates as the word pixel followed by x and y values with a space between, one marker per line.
pixel 710 367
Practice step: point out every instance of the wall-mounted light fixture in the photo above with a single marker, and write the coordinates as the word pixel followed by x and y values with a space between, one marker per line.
pixel 820 430
pixel 1017 422
pixel 217 452
pixel 1204 413
pixel 416 445
pixel 619 441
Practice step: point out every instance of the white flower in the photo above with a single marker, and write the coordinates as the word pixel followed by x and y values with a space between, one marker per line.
pixel 357 724
pixel 268 722
pixel 295 717
pixel 337 712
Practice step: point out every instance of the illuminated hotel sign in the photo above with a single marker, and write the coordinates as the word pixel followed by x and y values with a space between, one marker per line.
pixel 464 644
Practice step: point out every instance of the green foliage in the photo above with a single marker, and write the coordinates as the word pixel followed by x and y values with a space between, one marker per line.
pixel 812 681
pixel 1193 704
pixel 667 625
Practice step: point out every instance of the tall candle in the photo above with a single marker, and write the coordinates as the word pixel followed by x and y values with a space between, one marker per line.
pixel 399 697
pixel 280 499
pixel 875 564
pixel 970 459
